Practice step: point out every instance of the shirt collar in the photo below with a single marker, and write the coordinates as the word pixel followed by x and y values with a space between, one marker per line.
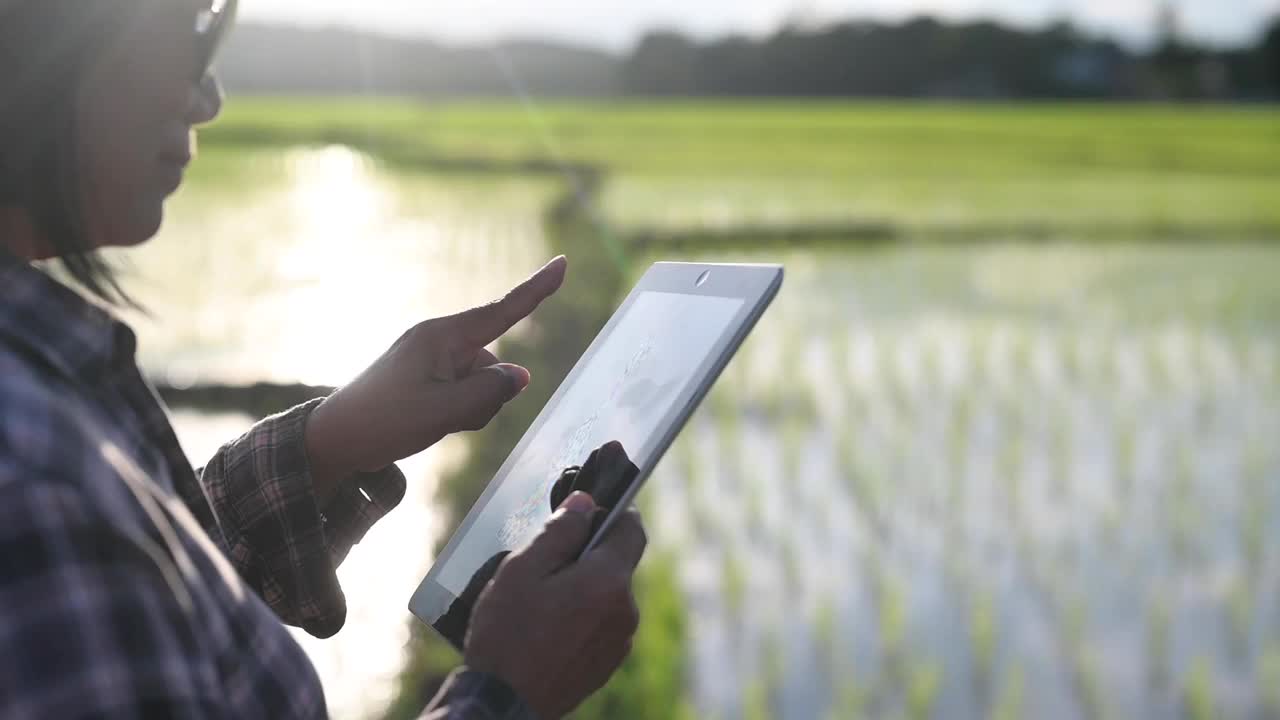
pixel 76 337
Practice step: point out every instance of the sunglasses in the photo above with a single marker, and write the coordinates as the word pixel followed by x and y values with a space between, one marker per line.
pixel 213 19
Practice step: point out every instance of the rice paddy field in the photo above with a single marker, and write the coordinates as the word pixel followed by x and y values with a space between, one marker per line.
pixel 1000 483
pixel 1014 458
pixel 925 167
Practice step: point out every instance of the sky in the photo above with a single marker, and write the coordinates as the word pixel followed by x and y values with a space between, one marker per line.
pixel 617 24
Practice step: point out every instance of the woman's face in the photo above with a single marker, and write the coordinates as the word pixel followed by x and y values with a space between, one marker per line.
pixel 137 112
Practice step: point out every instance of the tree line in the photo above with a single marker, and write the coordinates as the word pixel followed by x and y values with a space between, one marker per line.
pixel 920 58
pixel 928 58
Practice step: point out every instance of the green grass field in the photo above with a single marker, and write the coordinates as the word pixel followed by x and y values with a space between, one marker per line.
pixel 1083 168
pixel 1027 474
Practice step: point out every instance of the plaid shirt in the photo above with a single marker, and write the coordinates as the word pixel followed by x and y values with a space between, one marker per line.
pixel 132 585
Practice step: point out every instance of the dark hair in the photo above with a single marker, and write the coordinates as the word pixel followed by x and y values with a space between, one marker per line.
pixel 45 48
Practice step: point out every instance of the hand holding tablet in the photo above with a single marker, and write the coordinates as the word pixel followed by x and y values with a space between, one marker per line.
pixel 595 488
pixel 608 424
pixel 553 629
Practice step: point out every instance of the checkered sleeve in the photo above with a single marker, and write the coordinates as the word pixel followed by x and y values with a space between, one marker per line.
pixel 471 695
pixel 92 619
pixel 282 543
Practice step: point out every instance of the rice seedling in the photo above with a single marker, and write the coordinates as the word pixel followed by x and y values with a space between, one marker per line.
pixel 1125 461
pixel 1011 469
pixel 725 527
pixel 923 686
pixel 744 368
pixel 792 562
pixel 723 406
pixel 855 409
pixel 1104 372
pixel 807 405
pixel 1010 705
pixel 1088 683
pixel 1184 516
pixel 981 348
pixel 891 604
pixel 690 466
pixel 767 400
pixel 1112 524
pixel 846 458
pixel 733 585
pixel 931 364
pixel 753 508
pixel 1159 619
pixel 851 701
pixel 1085 680
pixel 894 380
pixel 1253 527
pixel 823 516
pixel 795 436
pixel 1184 471
pixel 774 660
pixel 1198 697
pixel 1159 367
pixel 762 696
pixel 960 435
pixel 1182 524
pixel 1020 361
pixel 982 639
pixel 1060 455
pixel 647 501
pixel 1253 470
pixel 729 435
pixel 756 704
pixel 865 485
pixel 955 561
pixel 1239 610
pixel 1268 681
pixel 826 629
pixel 1273 378
pixel 703 517
pixel 841 365
pixel 1073 358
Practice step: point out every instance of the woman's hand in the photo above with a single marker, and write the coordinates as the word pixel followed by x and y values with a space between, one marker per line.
pixel 436 380
pixel 553 629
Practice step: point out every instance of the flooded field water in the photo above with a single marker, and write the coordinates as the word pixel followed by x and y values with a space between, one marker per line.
pixel 1004 480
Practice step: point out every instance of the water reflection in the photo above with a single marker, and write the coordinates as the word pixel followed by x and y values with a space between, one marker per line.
pixel 304 265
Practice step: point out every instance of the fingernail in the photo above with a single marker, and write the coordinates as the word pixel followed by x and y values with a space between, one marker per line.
pixel 579 502
pixel 517 376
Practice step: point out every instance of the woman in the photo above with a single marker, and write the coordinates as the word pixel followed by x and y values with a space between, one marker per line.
pixel 132 585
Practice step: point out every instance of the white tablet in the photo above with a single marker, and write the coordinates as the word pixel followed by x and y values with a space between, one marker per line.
pixel 637 384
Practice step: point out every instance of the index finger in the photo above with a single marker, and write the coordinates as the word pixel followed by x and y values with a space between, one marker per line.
pixel 481 326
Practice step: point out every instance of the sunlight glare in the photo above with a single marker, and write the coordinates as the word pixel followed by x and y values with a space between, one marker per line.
pixel 338 208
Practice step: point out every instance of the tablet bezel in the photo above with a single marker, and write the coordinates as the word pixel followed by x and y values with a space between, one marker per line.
pixel 755 285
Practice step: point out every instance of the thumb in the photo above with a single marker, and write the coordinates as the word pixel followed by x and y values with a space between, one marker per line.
pixel 564 536
pixel 470 403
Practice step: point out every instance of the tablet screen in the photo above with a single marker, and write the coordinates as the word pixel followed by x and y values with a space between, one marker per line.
pixel 633 381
